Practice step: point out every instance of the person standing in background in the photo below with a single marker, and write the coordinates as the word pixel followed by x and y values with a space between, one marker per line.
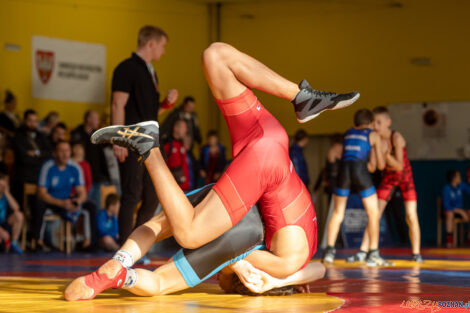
pixel 296 154
pixel 333 161
pixel 136 98
pixel 213 158
pixel 9 121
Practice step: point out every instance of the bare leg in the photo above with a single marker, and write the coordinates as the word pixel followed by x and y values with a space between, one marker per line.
pixel 372 210
pixel 336 219
pixel 16 222
pixel 108 243
pixel 449 221
pixel 365 240
pixel 164 280
pixel 229 71
pixel 188 224
pixel 413 225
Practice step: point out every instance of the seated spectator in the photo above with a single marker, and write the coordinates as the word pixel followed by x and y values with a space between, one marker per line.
pixel 11 218
pixel 49 122
pixel 7 162
pixel 94 154
pixel 58 133
pixel 213 158
pixel 184 112
pixel 58 178
pixel 9 121
pixel 176 156
pixel 31 149
pixel 108 230
pixel 452 202
pixel 296 154
pixel 78 155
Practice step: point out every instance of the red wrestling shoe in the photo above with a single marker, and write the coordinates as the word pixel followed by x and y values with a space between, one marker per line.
pixel 110 275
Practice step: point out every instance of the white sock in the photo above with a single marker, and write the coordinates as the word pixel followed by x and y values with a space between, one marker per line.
pixel 131 278
pixel 124 257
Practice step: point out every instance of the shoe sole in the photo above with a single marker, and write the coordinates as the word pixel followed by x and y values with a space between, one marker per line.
pixel 340 105
pixel 104 129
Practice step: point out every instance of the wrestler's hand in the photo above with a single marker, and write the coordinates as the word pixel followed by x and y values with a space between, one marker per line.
pixel 305 288
pixel 254 279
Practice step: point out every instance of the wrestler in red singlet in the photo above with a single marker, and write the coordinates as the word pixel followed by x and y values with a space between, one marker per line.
pixel 392 178
pixel 262 172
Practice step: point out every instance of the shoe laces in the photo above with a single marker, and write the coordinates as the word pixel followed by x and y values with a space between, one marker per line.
pixel 322 93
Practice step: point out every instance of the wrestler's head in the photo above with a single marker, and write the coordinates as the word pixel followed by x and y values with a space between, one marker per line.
pixel 363 118
pixel 453 177
pixel 382 120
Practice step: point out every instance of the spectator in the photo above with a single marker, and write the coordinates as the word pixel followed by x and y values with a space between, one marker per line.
pixel 193 165
pixel 108 223
pixel 58 178
pixel 49 122
pixel 10 217
pixel 58 133
pixel 78 155
pixel 176 155
pixel 452 202
pixel 9 121
pixel 31 148
pixel 184 112
pixel 213 158
pixel 297 157
pixel 8 161
pixel 136 98
pixel 333 161
pixel 94 154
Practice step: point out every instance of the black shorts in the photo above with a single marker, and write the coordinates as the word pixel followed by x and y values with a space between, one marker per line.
pixel 197 265
pixel 355 175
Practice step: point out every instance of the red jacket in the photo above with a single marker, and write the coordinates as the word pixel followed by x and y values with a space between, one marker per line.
pixel 178 162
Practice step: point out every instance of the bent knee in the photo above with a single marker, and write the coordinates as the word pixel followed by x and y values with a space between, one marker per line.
pixel 187 240
pixel 215 52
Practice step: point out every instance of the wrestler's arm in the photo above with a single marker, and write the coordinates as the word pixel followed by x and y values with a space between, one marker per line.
pixel 376 143
pixel 259 281
pixel 397 161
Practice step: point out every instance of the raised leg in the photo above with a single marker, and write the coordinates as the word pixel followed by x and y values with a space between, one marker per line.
pixel 229 72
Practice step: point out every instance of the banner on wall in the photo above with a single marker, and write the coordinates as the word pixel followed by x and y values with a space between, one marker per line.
pixel 68 70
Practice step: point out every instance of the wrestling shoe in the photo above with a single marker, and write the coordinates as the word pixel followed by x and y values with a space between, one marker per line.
pixel 110 275
pixel 15 248
pixel 358 257
pixel 309 103
pixel 374 259
pixel 139 138
pixel 417 258
pixel 329 255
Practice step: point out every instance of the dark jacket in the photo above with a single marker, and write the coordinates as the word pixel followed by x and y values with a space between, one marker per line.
pixel 26 166
pixel 166 128
pixel 297 157
pixel 94 154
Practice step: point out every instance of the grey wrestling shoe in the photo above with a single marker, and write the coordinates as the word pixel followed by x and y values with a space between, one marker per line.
pixel 374 259
pixel 417 258
pixel 309 103
pixel 329 255
pixel 139 138
pixel 358 257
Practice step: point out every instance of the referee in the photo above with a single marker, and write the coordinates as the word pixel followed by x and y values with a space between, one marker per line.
pixel 136 98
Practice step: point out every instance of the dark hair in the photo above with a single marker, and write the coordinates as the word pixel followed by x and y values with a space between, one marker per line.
pixel 149 32
pixel 381 110
pixel 188 99
pixel 451 174
pixel 111 199
pixel 28 113
pixel 337 138
pixel 50 115
pixel 300 135
pixel 3 176
pixel 363 117
pixel 60 125
pixel 87 114
pixel 59 142
pixel 212 132
pixel 9 97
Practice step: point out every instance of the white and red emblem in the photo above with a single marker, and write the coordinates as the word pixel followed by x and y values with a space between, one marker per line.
pixel 44 64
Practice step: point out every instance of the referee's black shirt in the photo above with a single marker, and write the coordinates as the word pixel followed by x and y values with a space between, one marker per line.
pixel 133 76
